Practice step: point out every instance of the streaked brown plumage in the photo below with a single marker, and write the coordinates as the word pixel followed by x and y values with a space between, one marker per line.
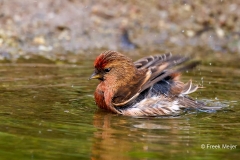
pixel 147 87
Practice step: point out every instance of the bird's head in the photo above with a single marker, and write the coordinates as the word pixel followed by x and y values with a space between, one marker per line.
pixel 112 66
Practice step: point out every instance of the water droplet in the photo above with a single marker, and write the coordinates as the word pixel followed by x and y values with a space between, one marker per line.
pixel 210 64
pixel 216 98
pixel 182 30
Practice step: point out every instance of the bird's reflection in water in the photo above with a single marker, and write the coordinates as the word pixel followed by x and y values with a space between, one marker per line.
pixel 120 137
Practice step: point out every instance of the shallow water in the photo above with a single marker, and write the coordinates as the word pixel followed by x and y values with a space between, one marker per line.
pixel 47 111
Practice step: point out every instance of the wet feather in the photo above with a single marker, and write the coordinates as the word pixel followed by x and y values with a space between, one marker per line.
pixel 147 87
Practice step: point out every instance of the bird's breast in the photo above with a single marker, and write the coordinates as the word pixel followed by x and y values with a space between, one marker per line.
pixel 99 98
pixel 103 98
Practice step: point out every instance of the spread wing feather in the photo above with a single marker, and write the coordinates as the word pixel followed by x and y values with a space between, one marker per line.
pixel 153 70
pixel 189 88
pixel 146 62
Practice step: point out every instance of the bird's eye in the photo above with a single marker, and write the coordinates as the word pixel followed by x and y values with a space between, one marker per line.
pixel 107 69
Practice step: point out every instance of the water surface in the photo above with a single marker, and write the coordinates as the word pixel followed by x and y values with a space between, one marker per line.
pixel 47 111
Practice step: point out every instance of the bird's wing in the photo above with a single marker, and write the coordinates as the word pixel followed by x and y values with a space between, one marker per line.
pixel 153 69
pixel 189 88
pixel 127 94
pixel 149 61
pixel 167 69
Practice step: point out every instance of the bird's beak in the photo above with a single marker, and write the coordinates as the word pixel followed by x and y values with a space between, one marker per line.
pixel 95 76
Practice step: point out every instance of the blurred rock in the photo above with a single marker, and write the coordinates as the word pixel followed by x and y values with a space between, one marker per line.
pixel 102 12
pixel 125 42
pixel 39 40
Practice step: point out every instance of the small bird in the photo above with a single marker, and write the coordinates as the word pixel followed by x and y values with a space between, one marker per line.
pixel 150 86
